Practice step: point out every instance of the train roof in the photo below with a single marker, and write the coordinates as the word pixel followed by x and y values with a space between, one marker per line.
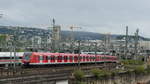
pixel 68 54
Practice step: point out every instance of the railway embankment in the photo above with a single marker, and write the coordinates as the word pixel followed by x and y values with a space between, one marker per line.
pixel 122 78
pixel 129 72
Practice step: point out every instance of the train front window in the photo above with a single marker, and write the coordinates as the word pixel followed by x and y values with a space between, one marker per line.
pixel 27 56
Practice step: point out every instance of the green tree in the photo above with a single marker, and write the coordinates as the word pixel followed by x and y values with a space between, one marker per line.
pixel 3 41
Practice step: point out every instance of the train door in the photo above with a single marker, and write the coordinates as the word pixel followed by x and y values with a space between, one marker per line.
pixel 40 59
pixel 52 59
pixel 90 58
pixel 65 59
pixel 97 58
pixel 45 59
pixel 80 58
pixel 75 58
pixel 49 59
pixel 84 58
pixel 59 59
pixel 87 58
pixel 102 58
pixel 93 57
pixel 70 59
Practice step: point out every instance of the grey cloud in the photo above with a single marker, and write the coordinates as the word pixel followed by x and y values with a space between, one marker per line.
pixel 100 16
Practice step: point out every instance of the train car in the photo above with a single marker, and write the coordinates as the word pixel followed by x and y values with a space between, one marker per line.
pixel 39 58
pixel 7 58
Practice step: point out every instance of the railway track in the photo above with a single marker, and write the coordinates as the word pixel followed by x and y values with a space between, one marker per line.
pixel 36 78
pixel 10 73
pixel 44 74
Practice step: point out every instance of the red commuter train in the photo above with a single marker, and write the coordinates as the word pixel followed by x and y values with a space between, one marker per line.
pixel 43 58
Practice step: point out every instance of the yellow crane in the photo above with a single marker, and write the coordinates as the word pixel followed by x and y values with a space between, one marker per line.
pixel 72 36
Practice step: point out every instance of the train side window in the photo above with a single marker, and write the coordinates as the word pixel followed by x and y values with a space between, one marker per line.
pixel 46 58
pixel 75 58
pixel 87 57
pixel 80 57
pixel 94 58
pixel 91 58
pixel 83 57
pixel 52 58
pixel 59 57
pixel 70 58
pixel 106 57
pixel 20 57
pixel 102 57
pixel 65 58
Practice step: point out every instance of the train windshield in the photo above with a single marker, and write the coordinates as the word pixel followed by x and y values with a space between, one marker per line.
pixel 27 56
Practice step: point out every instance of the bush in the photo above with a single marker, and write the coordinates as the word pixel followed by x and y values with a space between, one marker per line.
pixel 139 69
pixel 96 72
pixel 99 73
pixel 148 69
pixel 79 75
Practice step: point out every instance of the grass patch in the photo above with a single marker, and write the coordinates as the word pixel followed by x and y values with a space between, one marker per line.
pixel 100 73
pixel 132 62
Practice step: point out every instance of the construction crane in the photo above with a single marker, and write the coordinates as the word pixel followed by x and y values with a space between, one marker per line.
pixel 72 37
pixel 55 36
pixel 72 33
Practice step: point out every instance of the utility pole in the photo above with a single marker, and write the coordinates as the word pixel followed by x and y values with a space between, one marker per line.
pixel 126 43
pixel 105 44
pixel 89 45
pixel 53 37
pixel 136 44
pixel 14 47
pixel 10 44
pixel 95 53
pixel 79 51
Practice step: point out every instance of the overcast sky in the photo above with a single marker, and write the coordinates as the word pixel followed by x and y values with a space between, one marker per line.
pixel 101 16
